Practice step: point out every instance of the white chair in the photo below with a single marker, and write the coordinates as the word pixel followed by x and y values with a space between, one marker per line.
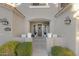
pixel 29 35
pixel 55 35
pixel 49 35
pixel 23 36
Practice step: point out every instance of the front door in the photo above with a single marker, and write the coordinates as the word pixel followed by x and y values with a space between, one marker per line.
pixel 40 30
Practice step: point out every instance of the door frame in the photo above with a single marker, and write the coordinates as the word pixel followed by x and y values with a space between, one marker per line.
pixel 41 27
pixel 37 28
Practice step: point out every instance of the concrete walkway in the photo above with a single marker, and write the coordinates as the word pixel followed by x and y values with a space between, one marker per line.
pixel 39 46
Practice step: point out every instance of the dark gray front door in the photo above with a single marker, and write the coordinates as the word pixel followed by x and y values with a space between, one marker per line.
pixel 39 29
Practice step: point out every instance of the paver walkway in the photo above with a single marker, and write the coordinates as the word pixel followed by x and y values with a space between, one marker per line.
pixel 39 46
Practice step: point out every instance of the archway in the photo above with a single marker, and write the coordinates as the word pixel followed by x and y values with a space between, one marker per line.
pixel 39 27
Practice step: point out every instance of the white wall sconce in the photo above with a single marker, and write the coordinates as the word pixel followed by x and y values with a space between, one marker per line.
pixel 67 20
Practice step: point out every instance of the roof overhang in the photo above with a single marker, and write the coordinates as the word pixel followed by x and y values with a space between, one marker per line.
pixel 14 9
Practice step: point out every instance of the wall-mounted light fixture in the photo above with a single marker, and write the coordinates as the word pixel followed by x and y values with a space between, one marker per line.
pixel 7 29
pixel 4 21
pixel 67 20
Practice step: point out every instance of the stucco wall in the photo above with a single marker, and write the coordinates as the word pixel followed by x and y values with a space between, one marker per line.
pixel 66 31
pixel 27 26
pixel 5 13
pixel 77 37
pixel 16 23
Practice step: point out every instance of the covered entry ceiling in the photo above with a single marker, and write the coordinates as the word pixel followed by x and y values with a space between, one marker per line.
pixel 39 20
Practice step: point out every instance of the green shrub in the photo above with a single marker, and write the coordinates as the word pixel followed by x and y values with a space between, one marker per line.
pixel 61 51
pixel 68 52
pixel 24 49
pixel 8 48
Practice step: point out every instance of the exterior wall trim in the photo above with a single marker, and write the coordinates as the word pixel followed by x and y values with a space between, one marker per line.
pixel 62 10
pixel 14 9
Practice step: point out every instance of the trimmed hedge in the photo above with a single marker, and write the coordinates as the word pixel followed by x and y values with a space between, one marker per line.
pixel 8 49
pixel 24 49
pixel 61 51
pixel 15 48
